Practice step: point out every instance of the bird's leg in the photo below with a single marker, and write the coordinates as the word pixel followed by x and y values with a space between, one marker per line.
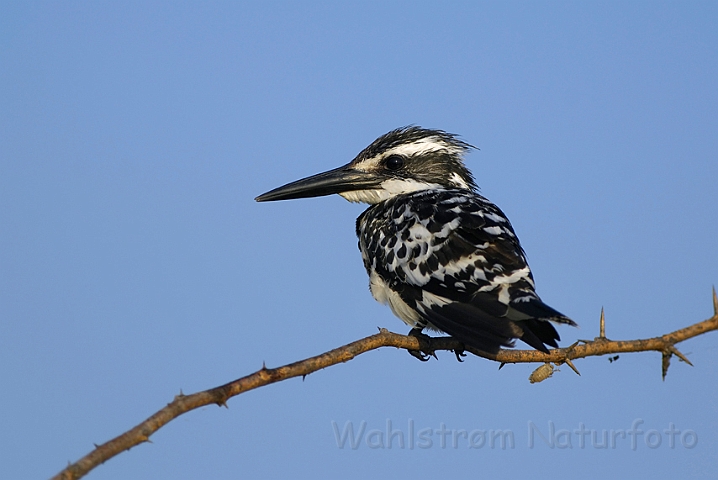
pixel 425 352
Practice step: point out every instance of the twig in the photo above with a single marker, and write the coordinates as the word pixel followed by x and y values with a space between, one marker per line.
pixel 265 376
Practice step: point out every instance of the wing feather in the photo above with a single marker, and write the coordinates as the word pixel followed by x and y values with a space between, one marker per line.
pixel 458 247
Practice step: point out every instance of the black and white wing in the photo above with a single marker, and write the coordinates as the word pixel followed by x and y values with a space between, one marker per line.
pixel 450 260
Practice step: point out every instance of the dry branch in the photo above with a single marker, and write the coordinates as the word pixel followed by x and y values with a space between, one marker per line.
pixel 181 404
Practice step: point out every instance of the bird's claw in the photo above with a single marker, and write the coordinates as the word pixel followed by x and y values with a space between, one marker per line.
pixel 418 354
pixel 425 352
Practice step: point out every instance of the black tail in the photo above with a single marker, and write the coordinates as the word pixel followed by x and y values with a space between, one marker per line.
pixel 539 332
pixel 476 328
pixel 473 327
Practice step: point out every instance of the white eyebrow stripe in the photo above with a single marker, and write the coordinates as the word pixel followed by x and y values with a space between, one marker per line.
pixel 418 147
pixel 424 145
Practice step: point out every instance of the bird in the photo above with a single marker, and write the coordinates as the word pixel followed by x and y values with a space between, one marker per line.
pixel 439 254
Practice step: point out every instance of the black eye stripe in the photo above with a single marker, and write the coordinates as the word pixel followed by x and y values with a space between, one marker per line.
pixel 394 162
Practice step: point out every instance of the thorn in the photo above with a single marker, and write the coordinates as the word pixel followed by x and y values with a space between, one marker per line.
pixel 573 367
pixel 573 345
pixel 264 365
pixel 715 301
pixel 602 325
pixel 96 445
pixel 566 350
pixel 665 363
pixel 678 354
pixel 502 365
pixel 222 402
pixel 145 438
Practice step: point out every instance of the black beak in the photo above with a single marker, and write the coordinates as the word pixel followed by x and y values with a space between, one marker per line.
pixel 342 179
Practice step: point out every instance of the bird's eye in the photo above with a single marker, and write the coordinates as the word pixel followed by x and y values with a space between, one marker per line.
pixel 394 162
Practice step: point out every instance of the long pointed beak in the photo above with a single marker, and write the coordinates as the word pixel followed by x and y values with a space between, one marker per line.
pixel 342 179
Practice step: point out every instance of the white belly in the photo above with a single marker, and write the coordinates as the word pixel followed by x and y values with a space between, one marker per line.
pixel 383 294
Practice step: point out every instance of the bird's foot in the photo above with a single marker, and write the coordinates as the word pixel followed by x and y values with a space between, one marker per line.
pixel 425 351
pixel 460 354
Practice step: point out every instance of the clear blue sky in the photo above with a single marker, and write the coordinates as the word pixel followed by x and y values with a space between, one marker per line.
pixel 135 263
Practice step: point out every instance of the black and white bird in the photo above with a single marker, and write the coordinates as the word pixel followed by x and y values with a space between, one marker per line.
pixel 439 254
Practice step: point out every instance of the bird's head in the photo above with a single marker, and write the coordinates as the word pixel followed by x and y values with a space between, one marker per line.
pixel 404 160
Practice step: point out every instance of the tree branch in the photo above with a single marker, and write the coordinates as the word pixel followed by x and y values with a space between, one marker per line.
pixel 181 404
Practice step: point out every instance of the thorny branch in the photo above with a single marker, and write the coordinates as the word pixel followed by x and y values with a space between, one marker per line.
pixel 181 404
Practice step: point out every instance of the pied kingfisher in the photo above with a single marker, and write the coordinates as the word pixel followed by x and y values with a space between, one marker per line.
pixel 439 254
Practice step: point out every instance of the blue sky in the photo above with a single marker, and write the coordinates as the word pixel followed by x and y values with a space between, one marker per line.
pixel 135 263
